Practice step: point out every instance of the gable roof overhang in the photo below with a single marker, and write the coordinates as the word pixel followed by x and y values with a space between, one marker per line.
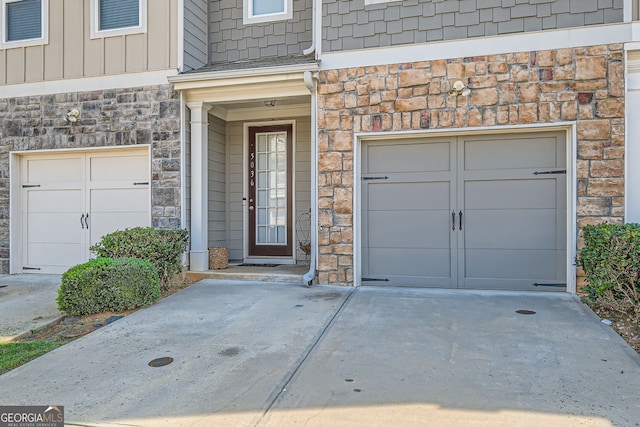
pixel 246 84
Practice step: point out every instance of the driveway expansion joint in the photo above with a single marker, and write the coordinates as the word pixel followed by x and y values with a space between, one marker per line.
pixel 279 392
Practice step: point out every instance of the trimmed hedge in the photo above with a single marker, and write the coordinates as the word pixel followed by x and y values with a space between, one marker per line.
pixel 106 284
pixel 611 262
pixel 162 248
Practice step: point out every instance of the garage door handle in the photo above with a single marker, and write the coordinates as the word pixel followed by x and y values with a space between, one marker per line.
pixel 460 213
pixel 453 221
pixel 86 221
pixel 82 223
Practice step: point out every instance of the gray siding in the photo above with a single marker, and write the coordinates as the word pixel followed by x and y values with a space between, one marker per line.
pixel 349 24
pixel 196 29
pixel 231 40
pixel 217 182
pixel 235 189
pixel 302 179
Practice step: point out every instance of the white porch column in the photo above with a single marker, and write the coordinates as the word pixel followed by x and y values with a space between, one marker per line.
pixel 632 137
pixel 199 255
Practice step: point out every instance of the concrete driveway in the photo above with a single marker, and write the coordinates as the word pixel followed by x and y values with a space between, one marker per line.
pixel 264 354
pixel 27 302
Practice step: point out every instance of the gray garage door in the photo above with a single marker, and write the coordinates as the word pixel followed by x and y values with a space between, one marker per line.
pixel 485 212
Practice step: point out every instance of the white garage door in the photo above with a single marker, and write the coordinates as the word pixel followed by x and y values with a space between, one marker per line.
pixel 483 212
pixel 70 200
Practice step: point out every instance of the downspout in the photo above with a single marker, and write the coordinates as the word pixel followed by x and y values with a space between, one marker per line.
pixel 316 16
pixel 310 83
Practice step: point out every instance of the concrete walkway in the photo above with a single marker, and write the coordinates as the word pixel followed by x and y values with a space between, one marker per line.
pixel 267 354
pixel 27 302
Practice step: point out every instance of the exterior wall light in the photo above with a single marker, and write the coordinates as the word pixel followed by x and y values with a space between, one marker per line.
pixel 72 116
pixel 459 88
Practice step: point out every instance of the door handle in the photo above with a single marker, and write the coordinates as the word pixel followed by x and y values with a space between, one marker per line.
pixel 460 214
pixel 250 208
pixel 82 223
pixel 453 221
pixel 86 220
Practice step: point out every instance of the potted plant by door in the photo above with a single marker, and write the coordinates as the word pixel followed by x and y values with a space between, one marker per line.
pixel 218 257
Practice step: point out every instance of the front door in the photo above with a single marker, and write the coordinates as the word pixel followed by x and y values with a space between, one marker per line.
pixel 270 207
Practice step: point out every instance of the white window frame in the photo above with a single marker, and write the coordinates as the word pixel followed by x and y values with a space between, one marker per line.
pixel 368 2
pixel 249 18
pixel 44 26
pixel 96 33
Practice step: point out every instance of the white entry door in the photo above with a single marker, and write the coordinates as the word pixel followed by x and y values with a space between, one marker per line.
pixel 70 200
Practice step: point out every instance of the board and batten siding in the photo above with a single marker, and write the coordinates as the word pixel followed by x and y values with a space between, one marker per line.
pixel 236 182
pixel 71 53
pixel 196 30
pixel 350 24
pixel 217 182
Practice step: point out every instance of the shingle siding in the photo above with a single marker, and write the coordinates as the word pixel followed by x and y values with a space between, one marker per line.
pixel 349 24
pixel 232 40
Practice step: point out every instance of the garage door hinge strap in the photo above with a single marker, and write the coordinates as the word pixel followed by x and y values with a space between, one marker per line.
pixel 140 183
pixel 370 178
pixel 370 279
pixel 31 268
pixel 30 185
pixel 558 172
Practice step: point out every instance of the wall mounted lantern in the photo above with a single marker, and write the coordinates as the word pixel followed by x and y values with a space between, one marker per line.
pixel 459 88
pixel 72 116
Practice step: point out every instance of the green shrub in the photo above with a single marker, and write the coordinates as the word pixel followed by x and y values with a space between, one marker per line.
pixel 611 262
pixel 162 248
pixel 106 284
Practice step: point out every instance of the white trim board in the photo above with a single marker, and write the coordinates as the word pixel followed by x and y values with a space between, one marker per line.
pixel 181 35
pixel 627 10
pixel 632 132
pixel 532 41
pixel 116 81
pixel 261 113
pixel 571 149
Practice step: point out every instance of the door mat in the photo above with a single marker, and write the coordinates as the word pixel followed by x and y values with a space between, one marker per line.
pixel 259 265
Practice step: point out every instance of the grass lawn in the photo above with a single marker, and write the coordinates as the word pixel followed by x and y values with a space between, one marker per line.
pixel 14 354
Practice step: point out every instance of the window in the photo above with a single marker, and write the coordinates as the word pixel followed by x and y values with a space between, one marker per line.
pixel 24 23
pixel 257 11
pixel 118 17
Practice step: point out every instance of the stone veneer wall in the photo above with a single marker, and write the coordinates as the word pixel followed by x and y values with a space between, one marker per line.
pixel 114 117
pixel 583 85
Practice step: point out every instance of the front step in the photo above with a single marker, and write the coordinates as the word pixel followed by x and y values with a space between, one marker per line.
pixel 279 274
